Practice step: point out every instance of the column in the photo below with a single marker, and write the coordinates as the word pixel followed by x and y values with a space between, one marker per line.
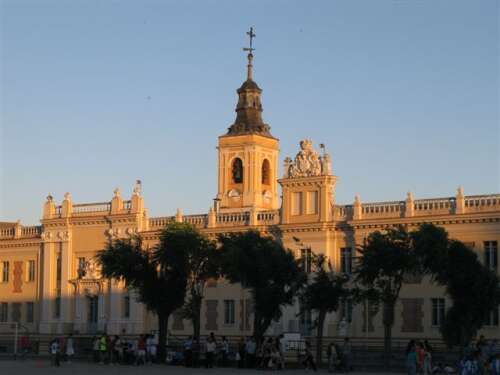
pixel 48 282
pixel 66 275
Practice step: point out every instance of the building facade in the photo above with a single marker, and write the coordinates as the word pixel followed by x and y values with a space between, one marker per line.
pixel 50 283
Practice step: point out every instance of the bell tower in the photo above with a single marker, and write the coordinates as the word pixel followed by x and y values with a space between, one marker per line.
pixel 248 153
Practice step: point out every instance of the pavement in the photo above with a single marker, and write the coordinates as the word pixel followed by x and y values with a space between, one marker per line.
pixel 43 367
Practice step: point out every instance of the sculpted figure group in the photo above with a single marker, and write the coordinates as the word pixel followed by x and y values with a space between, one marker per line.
pixel 308 162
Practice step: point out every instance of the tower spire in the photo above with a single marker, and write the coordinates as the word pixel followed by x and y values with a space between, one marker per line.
pixel 250 49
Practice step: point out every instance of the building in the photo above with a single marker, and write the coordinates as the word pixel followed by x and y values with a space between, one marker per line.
pixel 50 283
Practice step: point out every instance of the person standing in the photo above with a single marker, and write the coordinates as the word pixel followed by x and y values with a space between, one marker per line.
pixel 411 358
pixel 332 357
pixel 95 348
pixel 224 350
pixel 346 355
pixel 309 358
pixel 240 355
pixel 188 352
pixel 70 348
pixel 210 352
pixel 55 352
pixel 103 348
pixel 250 349
pixel 141 351
pixel 427 358
pixel 495 365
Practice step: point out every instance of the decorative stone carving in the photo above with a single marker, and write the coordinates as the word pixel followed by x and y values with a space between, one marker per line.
pixel 138 187
pixel 307 162
pixel 67 196
pixel 90 270
pixel 117 193
pixel 233 193
pixel 326 164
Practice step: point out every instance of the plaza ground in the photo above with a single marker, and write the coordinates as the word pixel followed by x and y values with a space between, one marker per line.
pixel 42 367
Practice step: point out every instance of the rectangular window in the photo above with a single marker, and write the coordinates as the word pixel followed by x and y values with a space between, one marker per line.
pixel 492 319
pixel 491 255
pixel 346 309
pixel 57 307
pixel 31 271
pixel 312 202
pixel 438 311
pixel 346 260
pixel 229 311
pixel 16 312
pixel 306 323
pixel 4 312
pixel 30 312
pixel 126 306
pixel 81 267
pixel 306 259
pixel 58 267
pixel 297 203
pixel 5 272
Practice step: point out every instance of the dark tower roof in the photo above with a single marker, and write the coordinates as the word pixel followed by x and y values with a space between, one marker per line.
pixel 249 107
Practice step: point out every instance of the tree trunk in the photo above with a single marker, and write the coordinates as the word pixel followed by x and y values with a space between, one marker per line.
pixel 197 301
pixel 319 337
pixel 162 336
pixel 257 329
pixel 388 323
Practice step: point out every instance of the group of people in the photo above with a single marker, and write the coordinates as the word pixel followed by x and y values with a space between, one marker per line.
pixel 115 350
pixel 481 358
pixel 59 348
pixel 339 358
pixel 270 354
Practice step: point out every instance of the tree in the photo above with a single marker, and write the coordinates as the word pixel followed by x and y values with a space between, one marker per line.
pixel 385 260
pixel 473 289
pixel 142 271
pixel 262 265
pixel 323 295
pixel 197 256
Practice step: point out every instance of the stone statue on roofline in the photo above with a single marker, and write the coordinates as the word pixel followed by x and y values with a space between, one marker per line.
pixel 307 162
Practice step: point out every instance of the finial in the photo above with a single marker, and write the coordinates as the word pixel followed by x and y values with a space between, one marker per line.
pixel 460 191
pixel 357 199
pixel 117 192
pixel 138 187
pixel 250 49
pixel 67 196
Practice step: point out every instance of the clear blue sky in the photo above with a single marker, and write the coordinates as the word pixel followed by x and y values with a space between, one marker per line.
pixel 95 94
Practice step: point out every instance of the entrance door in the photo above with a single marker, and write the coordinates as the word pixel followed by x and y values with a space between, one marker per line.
pixel 93 308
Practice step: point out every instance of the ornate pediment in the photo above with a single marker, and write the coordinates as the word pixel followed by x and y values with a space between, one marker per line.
pixel 308 162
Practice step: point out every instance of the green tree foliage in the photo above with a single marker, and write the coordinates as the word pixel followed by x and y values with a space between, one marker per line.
pixel 385 260
pixel 323 295
pixel 263 266
pixel 160 287
pixel 388 257
pixel 197 256
pixel 473 289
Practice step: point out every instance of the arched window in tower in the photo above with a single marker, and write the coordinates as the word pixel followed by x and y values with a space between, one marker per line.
pixel 266 170
pixel 237 171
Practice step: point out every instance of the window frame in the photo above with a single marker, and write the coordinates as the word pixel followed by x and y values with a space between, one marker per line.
pixel 229 312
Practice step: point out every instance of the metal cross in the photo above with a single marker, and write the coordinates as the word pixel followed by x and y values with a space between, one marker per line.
pixel 251 35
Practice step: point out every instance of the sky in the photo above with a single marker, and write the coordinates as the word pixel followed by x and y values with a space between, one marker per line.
pixel 97 94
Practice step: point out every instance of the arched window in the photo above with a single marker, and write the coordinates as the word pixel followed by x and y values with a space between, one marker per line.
pixel 237 171
pixel 266 170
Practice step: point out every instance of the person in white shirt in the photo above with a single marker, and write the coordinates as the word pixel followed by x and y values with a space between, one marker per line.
pixel 224 350
pixel 210 353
